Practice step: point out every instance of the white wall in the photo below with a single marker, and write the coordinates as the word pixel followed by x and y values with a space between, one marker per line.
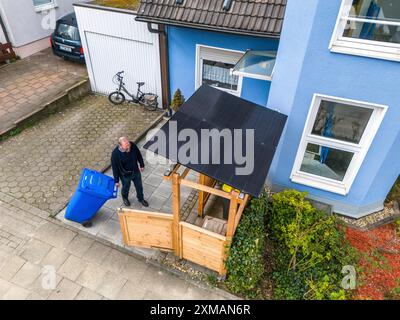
pixel 114 41
pixel 26 25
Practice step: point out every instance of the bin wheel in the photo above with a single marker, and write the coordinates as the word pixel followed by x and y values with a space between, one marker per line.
pixel 87 224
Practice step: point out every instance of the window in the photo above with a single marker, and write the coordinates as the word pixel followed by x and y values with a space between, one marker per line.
pixel 67 32
pixel 256 64
pixel 217 74
pixel 336 138
pixel 214 67
pixel 368 28
pixel 41 5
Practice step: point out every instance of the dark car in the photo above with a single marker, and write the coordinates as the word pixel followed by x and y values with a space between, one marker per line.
pixel 65 40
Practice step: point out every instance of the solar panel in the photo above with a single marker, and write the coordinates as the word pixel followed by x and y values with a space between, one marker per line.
pixel 207 109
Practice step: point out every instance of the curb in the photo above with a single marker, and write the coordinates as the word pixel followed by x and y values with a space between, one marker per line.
pixel 58 103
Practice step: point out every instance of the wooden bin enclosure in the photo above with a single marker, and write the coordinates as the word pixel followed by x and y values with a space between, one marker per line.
pixel 188 241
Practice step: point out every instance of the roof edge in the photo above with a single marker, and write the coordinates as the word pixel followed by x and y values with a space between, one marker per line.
pixel 205 27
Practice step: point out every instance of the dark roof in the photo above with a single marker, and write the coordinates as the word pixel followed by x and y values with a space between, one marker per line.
pixel 69 19
pixel 253 17
pixel 210 108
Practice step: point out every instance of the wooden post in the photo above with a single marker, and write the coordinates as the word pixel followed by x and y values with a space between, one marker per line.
pixel 176 205
pixel 232 215
pixel 201 196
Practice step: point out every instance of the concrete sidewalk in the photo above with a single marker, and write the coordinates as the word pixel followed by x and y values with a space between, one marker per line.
pixel 42 259
pixel 30 82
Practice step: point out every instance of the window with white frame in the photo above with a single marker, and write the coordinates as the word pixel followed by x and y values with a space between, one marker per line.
pixel 44 4
pixel 336 138
pixel 368 28
pixel 214 67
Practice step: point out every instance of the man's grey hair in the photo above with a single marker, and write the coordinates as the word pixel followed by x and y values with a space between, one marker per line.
pixel 122 139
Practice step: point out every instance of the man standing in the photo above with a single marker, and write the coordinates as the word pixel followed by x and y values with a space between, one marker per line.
pixel 124 161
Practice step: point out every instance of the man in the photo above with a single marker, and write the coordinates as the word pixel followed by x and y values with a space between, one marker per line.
pixel 124 161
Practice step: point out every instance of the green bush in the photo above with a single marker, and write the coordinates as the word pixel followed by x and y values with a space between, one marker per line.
pixel 245 263
pixel 310 250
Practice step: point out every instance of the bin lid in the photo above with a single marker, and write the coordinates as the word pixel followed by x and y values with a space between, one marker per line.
pixel 96 183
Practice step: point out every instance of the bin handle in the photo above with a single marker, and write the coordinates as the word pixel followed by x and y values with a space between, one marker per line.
pixel 115 193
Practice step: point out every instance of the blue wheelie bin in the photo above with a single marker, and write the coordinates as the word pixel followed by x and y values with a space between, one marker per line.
pixel 93 190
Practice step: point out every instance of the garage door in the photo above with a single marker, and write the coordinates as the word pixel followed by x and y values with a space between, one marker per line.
pixel 108 55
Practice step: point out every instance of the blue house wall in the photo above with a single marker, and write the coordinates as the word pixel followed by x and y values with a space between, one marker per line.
pixel 306 66
pixel 182 59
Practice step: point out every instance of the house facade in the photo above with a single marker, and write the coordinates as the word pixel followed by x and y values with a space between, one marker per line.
pixel 204 42
pixel 337 77
pixel 27 24
pixel 333 68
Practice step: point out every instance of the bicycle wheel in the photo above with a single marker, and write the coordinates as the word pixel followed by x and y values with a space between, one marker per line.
pixel 116 97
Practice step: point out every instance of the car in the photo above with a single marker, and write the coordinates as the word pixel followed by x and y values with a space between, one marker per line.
pixel 65 40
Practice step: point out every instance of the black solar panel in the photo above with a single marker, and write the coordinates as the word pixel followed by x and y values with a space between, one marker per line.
pixel 209 108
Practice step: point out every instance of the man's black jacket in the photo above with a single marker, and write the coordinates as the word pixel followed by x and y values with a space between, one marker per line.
pixel 125 163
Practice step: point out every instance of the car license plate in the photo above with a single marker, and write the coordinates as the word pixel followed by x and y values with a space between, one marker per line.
pixel 64 48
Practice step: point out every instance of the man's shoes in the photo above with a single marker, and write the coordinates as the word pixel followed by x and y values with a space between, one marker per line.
pixel 126 202
pixel 144 203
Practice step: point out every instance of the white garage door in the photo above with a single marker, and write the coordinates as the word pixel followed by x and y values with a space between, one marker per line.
pixel 114 42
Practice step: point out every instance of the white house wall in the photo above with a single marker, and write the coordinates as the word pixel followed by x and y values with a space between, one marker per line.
pixel 114 41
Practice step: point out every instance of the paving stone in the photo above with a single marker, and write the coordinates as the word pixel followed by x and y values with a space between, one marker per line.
pixel 42 287
pixel 92 276
pixel 134 269
pixel 79 245
pixel 156 202
pixel 72 268
pixel 26 275
pixel 111 285
pixel 16 293
pixel 55 257
pixel 66 290
pixel 110 230
pixel 86 294
pixel 153 180
pixel 4 287
pixel 11 267
pixel 55 235
pixel 116 261
pixel 131 291
pixel 35 250
pixel 154 279
pixel 97 253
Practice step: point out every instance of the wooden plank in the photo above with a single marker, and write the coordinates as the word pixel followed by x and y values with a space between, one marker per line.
pixel 202 246
pixel 199 229
pixel 200 187
pixel 185 173
pixel 133 212
pixel 146 229
pixel 176 207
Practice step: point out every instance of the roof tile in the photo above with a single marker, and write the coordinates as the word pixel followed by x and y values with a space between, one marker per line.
pixel 259 17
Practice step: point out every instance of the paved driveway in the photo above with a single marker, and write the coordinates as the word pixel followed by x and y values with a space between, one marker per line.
pixel 28 83
pixel 41 166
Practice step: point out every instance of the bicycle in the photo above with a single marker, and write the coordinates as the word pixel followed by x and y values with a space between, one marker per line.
pixel 148 100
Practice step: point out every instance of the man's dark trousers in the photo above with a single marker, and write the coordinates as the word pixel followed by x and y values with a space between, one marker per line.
pixel 126 184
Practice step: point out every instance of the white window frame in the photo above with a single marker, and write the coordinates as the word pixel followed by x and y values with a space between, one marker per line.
pixel 254 75
pixel 359 149
pixel 361 47
pixel 217 54
pixel 47 6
